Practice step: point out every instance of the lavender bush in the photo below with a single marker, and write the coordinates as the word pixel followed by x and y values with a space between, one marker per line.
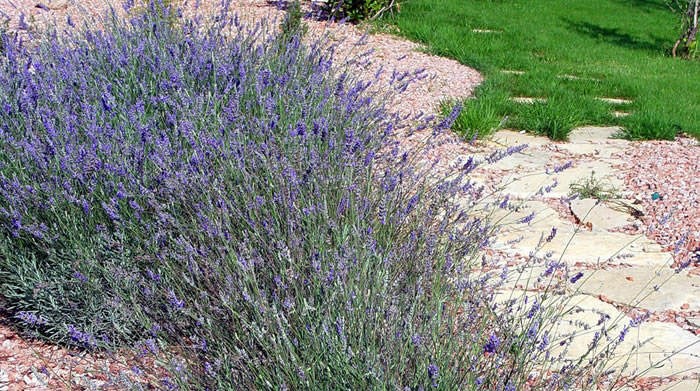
pixel 221 198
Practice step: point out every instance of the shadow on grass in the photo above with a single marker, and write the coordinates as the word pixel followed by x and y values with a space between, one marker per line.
pixel 618 37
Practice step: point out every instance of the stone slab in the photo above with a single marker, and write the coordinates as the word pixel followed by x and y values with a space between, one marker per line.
pixel 599 215
pixel 525 186
pixel 598 150
pixel 635 286
pixel 528 100
pixel 509 137
pixel 593 133
pixel 666 347
pixel 595 248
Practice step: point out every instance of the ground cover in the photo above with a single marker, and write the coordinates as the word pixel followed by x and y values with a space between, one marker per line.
pixel 569 55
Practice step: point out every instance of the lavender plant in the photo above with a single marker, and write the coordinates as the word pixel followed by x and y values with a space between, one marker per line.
pixel 223 199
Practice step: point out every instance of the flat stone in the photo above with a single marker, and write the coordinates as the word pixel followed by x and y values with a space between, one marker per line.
pixel 559 184
pixel 635 286
pixel 599 150
pixel 586 134
pixel 664 339
pixel 574 77
pixel 664 345
pixel 615 101
pixel 599 215
pixel 574 246
pixel 521 163
pixel 620 114
pixel 510 137
pixel 486 31
pixel 512 72
pixel 682 385
pixel 527 100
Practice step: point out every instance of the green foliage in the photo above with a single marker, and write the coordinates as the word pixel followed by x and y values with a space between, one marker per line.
pixel 480 117
pixel 556 116
pixel 356 10
pixel 293 24
pixel 161 8
pixel 649 125
pixel 593 187
pixel 687 44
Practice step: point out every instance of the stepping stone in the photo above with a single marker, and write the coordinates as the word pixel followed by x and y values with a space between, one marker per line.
pixel 527 100
pixel 663 340
pixel 590 134
pixel 509 138
pixel 615 101
pixel 599 150
pixel 574 77
pixel 574 246
pixel 682 385
pixel 598 215
pixel 525 186
pixel 512 72
pixel 658 340
pixel 486 31
pixel 634 286
pixel 523 162
pixel 620 114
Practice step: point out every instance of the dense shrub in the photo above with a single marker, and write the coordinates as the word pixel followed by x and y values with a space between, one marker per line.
pixel 356 10
pixel 236 205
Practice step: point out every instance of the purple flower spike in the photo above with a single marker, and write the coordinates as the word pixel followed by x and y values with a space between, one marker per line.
pixel 576 277
pixel 492 344
pixel 433 373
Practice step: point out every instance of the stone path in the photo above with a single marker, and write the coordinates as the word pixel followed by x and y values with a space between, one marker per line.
pixel 625 275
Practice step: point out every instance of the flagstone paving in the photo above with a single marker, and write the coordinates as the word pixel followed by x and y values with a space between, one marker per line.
pixel 626 274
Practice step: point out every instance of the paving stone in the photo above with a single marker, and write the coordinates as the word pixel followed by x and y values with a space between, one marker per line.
pixel 615 101
pixel 574 77
pixel 521 163
pixel 599 215
pixel 532 184
pixel 664 345
pixel 593 133
pixel 527 100
pixel 509 137
pixel 682 385
pixel 599 150
pixel 635 286
pixel 664 339
pixel 486 31
pixel 597 248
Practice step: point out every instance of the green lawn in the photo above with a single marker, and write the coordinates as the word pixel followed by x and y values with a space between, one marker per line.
pixel 614 48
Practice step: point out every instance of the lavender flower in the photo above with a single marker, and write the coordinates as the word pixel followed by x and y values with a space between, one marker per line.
pixel 433 373
pixel 174 301
pixel 79 276
pixel 563 167
pixel 492 344
pixel 527 219
pixel 30 318
pixel 576 277
pixel 416 340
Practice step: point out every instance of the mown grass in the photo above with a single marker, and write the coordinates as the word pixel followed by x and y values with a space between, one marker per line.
pixel 570 54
